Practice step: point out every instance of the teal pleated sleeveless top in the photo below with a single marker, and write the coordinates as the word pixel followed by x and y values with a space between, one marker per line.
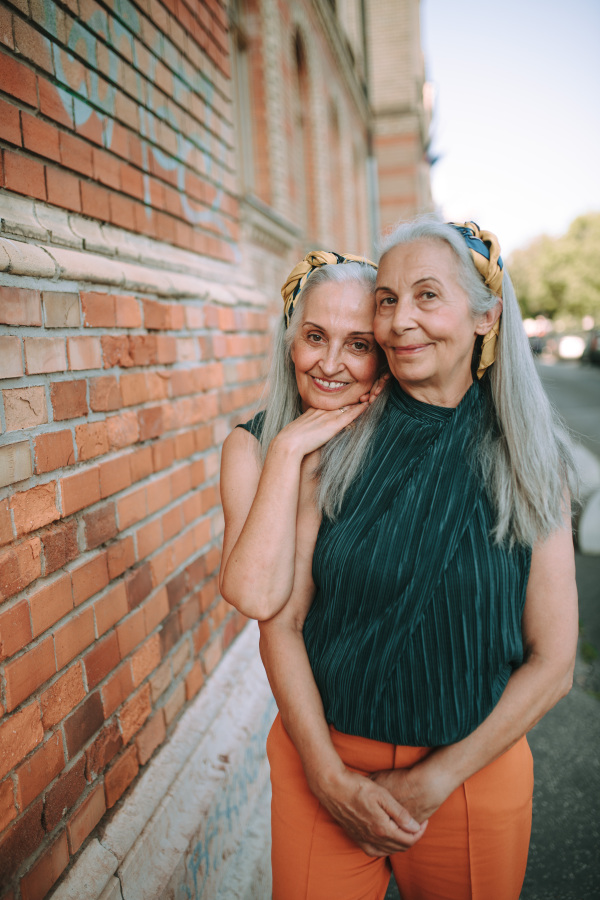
pixel 416 624
pixel 415 628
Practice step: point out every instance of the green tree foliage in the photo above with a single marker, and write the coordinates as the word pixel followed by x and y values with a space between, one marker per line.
pixel 560 276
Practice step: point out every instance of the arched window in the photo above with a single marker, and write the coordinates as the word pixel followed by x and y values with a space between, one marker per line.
pixel 302 180
pixel 337 218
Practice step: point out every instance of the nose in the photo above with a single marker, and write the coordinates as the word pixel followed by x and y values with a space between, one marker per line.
pixel 331 361
pixel 403 316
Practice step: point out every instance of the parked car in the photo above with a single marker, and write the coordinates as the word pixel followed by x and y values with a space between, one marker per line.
pixel 592 351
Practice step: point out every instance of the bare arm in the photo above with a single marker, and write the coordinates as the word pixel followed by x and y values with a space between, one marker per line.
pixel 550 627
pixel 367 812
pixel 260 508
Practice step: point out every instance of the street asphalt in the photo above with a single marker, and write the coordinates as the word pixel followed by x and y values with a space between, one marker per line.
pixel 564 857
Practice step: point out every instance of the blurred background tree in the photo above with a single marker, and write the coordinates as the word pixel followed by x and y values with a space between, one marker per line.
pixel 560 277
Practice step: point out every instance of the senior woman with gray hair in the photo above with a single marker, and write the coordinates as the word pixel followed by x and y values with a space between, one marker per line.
pixel 442 621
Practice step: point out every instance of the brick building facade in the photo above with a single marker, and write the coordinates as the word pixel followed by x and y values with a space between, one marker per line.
pixel 163 163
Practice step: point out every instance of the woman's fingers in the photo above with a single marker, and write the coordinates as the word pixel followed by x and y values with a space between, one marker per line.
pixel 376 389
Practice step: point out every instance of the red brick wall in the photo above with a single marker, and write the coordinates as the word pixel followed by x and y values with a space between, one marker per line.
pixel 122 112
pixel 110 618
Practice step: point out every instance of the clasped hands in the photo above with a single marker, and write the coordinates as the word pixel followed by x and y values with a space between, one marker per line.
pixel 384 813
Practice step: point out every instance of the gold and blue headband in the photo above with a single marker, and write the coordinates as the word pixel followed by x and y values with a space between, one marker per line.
pixel 485 253
pixel 302 272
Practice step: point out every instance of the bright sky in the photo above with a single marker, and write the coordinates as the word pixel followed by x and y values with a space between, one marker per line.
pixel 517 112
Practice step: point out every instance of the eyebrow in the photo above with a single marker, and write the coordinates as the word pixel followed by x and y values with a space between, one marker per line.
pixel 321 328
pixel 419 281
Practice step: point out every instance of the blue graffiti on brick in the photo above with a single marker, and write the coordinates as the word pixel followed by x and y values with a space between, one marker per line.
pixel 103 42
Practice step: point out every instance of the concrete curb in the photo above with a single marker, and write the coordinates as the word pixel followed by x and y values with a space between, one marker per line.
pixel 196 825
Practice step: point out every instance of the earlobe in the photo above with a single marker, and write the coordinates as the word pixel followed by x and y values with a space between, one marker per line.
pixel 489 319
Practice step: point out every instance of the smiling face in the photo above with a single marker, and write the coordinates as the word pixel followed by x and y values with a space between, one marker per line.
pixel 334 352
pixel 424 322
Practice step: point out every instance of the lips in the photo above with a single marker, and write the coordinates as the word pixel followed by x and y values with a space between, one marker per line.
pixel 330 386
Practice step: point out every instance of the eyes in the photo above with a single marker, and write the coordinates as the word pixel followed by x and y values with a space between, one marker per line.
pixel 423 297
pixel 355 346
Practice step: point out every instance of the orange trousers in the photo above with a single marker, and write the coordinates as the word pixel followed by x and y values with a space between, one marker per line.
pixel 475 846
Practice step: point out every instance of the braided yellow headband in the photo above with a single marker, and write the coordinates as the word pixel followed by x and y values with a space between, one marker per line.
pixel 302 272
pixel 485 251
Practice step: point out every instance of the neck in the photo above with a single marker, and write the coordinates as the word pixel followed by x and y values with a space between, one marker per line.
pixel 437 395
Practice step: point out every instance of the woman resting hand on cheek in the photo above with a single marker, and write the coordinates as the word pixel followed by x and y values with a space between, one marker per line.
pixel 325 375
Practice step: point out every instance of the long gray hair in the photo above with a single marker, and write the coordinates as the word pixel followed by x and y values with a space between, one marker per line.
pixel 525 453
pixel 343 457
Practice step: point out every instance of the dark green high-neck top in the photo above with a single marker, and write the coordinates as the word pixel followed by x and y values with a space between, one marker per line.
pixel 416 624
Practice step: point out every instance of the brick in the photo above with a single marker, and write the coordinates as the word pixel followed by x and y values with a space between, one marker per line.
pixel 111 608
pixel 155 610
pixel 22 839
pixel 33 46
pixel 98 310
pixel 89 578
pixel 132 508
pixel 24 175
pixel 39 770
pixel 19 566
pixel 149 538
pixel 64 794
pixel 50 603
pixel 150 737
pixel 75 153
pixel 123 430
pixel 63 189
pixel 80 490
pixel 174 704
pixel 86 818
pixel 140 463
pixel 193 681
pixel 134 713
pixel 44 355
pixel 105 394
pixel 60 546
pixel 102 659
pixel 94 201
pixel 143 349
pixel 115 350
pixel 27 672
pixel 25 407
pixel 131 632
pixel 68 399
pixel 8 809
pixel 105 747
pixel 100 526
pixel 120 775
pixel 117 688
pixel 19 735
pixel 84 353
pixel 73 637
pixel 121 556
pixel 15 465
pixel 106 168
pixel 34 508
pixel 91 440
pixel 145 660
pixel 10 124
pixel 128 313
pixel 62 696
pixel 18 80
pixel 36 884
pixel 61 309
pixel 52 105
pixel 83 723
pixel 15 629
pixel 40 137
pixel 134 388
pixel 115 475
pixel 138 585
pixel 11 356
pixel 53 451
